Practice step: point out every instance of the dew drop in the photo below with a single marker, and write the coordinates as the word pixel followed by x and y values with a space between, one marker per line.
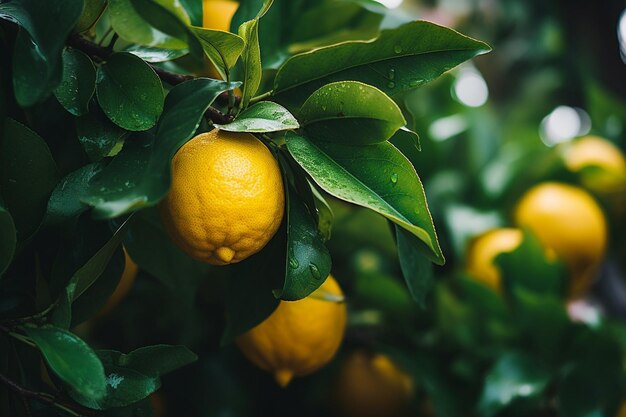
pixel 315 272
pixel 391 74
pixel 397 49
pixel 394 178
pixel 391 84
pixel 293 263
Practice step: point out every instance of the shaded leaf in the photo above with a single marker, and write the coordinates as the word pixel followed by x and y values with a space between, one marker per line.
pixel 222 48
pixel 250 61
pixel 129 92
pixel 78 82
pixel 262 117
pixel 71 359
pixel 397 61
pixel 377 176
pixel 8 238
pixel 417 269
pixel 98 135
pixel 351 112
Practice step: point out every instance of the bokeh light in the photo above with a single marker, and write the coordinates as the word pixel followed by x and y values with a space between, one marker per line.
pixel 470 88
pixel 563 124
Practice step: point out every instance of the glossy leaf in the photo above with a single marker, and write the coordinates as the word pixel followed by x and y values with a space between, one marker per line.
pixel 38 47
pixel 262 117
pixel 98 135
pixel 78 82
pixel 417 269
pixel 325 214
pixel 513 376
pixel 397 61
pixel 377 176
pixel 152 361
pixel 65 201
pixel 250 60
pixel 350 112
pixel 129 92
pixel 139 176
pixel 222 48
pixel 308 260
pixel 8 238
pixel 71 359
pixel 149 54
pixel 27 177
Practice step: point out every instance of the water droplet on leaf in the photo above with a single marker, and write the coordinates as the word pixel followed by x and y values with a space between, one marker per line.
pixel 315 271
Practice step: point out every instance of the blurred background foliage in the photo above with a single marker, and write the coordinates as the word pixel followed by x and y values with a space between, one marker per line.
pixel 489 130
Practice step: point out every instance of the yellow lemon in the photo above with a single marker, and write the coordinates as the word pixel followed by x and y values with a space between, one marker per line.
pixel 299 337
pixel 123 287
pixel 217 14
pixel 372 386
pixel 606 159
pixel 226 199
pixel 567 220
pixel 622 410
pixel 483 250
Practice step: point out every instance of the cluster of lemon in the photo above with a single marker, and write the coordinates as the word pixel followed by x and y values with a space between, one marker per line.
pixel 566 219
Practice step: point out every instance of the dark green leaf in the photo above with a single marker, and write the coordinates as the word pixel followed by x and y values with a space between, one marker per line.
pixel 308 260
pixel 78 82
pixel 65 201
pixel 250 60
pixel 28 176
pixel 325 214
pixel 98 135
pixel 222 48
pixel 262 117
pixel 38 47
pixel 194 10
pixel 416 268
pixel 398 60
pixel 406 136
pixel 139 176
pixel 129 92
pixel 513 376
pixel 71 359
pixel 152 361
pixel 8 238
pixel 377 176
pixel 91 13
pixel 351 113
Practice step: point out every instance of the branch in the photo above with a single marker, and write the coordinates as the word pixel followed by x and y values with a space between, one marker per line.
pixel 101 53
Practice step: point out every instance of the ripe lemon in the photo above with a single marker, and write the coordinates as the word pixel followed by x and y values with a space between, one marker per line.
pixel 622 410
pixel 226 200
pixel 123 287
pixel 217 14
pixel 567 220
pixel 483 250
pixel 300 336
pixel 372 386
pixel 607 164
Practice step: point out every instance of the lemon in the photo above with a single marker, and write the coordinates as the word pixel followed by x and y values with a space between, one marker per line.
pixel 606 163
pixel 226 200
pixel 622 410
pixel 483 250
pixel 372 385
pixel 567 220
pixel 300 336
pixel 124 286
pixel 217 14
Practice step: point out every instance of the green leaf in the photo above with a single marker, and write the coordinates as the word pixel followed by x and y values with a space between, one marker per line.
pixel 139 176
pixel 528 267
pixel 513 376
pixel 325 214
pixel 71 359
pixel 397 61
pixel 250 288
pixel 98 135
pixel 129 92
pixel 262 117
pixel 8 238
pixel 151 361
pixel 91 13
pixel 129 22
pixel 149 54
pixel 65 201
pixel 27 177
pixel 416 268
pixel 308 260
pixel 194 10
pixel 250 60
pixel 404 136
pixel 377 177
pixel 222 48
pixel 78 82
pixel 351 113
pixel 39 45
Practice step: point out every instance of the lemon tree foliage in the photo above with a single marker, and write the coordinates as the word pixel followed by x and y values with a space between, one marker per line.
pixel 101 105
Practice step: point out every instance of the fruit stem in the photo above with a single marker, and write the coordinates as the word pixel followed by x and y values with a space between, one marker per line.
pixel 261 97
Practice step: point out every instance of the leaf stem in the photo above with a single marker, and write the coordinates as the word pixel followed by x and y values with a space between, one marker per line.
pixel 261 97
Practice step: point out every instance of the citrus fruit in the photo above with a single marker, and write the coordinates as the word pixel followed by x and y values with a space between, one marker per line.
pixel 124 286
pixel 601 164
pixel 484 248
pixel 567 220
pixel 300 336
pixel 226 199
pixel 372 385
pixel 217 14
